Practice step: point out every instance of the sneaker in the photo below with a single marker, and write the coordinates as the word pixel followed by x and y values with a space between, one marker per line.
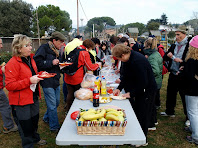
pixel 187 129
pixel 191 140
pixel 187 123
pixel 156 123
pixel 166 115
pixel 152 128
pixel 42 142
pixel 142 145
pixel 6 131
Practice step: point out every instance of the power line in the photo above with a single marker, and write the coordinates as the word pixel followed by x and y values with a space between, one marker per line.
pixel 83 10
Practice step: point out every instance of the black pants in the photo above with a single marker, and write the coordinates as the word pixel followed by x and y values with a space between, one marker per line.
pixel 157 98
pixel 70 96
pixel 142 106
pixel 174 85
pixel 26 118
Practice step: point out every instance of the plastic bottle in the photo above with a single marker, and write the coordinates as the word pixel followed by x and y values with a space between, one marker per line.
pixel 103 87
pixel 97 82
pixel 96 96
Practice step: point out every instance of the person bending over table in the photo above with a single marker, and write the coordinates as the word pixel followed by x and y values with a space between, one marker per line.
pixel 138 81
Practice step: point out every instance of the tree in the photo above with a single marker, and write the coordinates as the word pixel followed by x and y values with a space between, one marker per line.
pixel 51 18
pixel 193 22
pixel 171 34
pixel 15 17
pixel 153 26
pixel 163 20
pixel 98 23
pixel 141 27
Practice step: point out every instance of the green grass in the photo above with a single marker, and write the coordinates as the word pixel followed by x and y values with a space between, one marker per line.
pixel 169 133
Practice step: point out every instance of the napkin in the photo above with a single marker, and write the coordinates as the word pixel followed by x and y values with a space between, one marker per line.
pixel 33 87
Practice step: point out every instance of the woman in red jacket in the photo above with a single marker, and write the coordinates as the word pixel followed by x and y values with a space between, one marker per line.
pixel 21 82
pixel 74 81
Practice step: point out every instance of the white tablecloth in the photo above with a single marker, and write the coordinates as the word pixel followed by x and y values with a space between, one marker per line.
pixel 133 132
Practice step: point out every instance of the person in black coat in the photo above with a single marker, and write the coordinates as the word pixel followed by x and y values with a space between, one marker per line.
pixel 175 56
pixel 138 81
pixel 47 59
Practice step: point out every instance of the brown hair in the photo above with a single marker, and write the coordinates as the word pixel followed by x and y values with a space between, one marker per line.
pixel 120 49
pixel 89 44
pixel 192 53
pixel 18 42
pixel 150 43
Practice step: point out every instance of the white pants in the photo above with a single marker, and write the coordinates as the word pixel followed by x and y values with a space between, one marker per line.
pixel 192 111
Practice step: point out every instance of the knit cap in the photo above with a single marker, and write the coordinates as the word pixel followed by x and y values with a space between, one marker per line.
pixel 194 42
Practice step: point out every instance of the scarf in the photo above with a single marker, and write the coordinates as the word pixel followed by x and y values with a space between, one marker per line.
pixel 178 53
pixel 53 48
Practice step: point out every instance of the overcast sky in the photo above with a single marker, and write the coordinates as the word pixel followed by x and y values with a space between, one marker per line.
pixel 125 11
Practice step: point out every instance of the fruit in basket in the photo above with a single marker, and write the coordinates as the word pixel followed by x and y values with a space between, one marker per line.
pixel 111 117
pixel 111 109
pixel 81 119
pixel 102 119
pixel 74 115
pixel 91 116
pixel 109 114
pixel 116 113
pixel 121 113
pixel 121 118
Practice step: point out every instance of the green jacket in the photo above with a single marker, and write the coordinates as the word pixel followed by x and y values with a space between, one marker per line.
pixel 156 62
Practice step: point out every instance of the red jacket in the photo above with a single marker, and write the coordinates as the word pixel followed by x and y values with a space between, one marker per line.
pixel 1 78
pixel 162 53
pixel 17 81
pixel 83 59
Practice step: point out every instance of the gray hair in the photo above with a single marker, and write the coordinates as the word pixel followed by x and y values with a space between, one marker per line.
pixel 18 42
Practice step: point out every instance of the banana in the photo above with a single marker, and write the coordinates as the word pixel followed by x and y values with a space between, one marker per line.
pixel 88 112
pixel 121 118
pixel 114 113
pixel 121 113
pixel 91 116
pixel 111 109
pixel 102 119
pixel 94 120
pixel 81 119
pixel 112 117
pixel 98 111
pixel 103 111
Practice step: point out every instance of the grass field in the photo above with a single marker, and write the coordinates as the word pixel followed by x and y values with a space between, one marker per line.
pixel 169 133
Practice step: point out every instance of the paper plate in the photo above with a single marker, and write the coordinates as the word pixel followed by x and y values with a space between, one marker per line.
pixel 47 75
pixel 65 64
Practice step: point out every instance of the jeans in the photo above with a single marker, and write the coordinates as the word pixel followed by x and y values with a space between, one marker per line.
pixel 5 111
pixel 192 111
pixel 52 99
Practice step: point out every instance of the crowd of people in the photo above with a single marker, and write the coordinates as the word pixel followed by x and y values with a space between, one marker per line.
pixel 141 68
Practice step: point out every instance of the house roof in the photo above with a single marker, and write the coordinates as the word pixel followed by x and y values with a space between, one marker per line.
pixel 133 30
pixel 155 32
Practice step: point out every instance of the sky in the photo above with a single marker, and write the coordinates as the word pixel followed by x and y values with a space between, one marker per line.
pixel 125 11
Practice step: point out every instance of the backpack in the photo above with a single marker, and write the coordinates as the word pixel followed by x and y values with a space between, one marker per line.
pixel 73 58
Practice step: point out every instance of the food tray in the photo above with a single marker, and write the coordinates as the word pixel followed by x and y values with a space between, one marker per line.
pixel 101 127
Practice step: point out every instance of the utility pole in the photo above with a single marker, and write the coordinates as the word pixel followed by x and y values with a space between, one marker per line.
pixel 77 20
pixel 38 27
pixel 82 25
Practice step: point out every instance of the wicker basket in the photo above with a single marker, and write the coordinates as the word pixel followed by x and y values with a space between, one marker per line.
pixel 101 127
